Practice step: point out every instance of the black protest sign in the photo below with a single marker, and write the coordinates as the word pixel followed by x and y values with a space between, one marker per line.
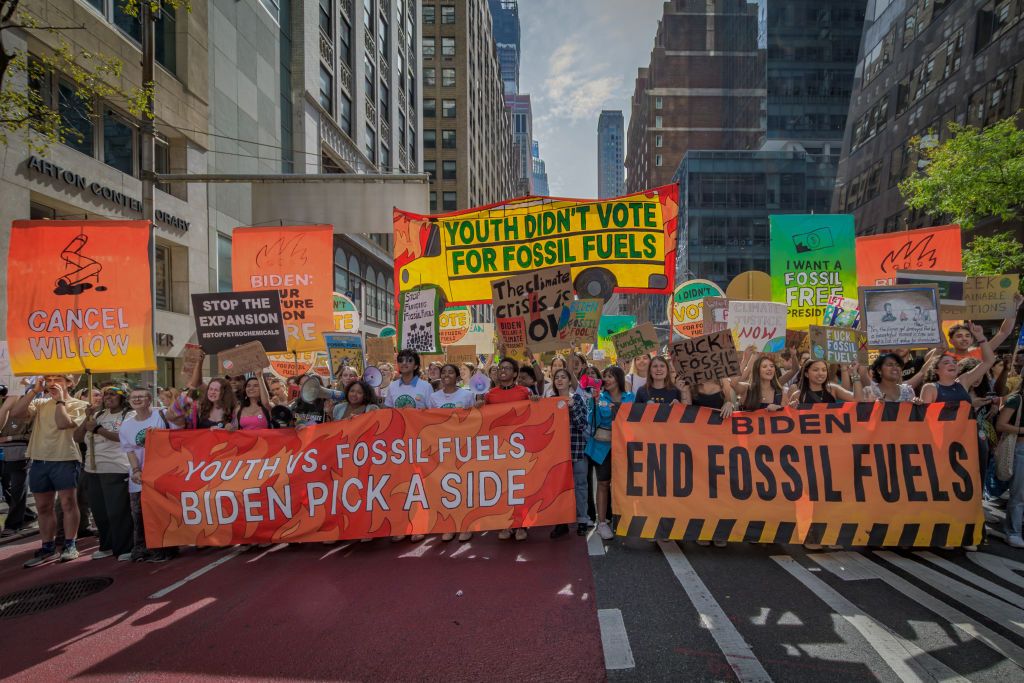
pixel 706 358
pixel 226 319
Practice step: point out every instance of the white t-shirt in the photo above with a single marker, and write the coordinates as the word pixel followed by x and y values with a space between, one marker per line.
pixel 461 398
pixel 110 457
pixel 133 439
pixel 635 381
pixel 416 394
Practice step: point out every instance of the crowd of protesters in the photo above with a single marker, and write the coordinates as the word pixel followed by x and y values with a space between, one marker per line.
pixel 81 456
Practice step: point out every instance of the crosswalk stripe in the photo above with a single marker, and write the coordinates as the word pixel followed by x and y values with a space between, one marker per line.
pixel 736 650
pixel 595 546
pixel 955 617
pixel 230 555
pixel 1000 566
pixel 983 603
pixel 907 660
pixel 618 654
pixel 995 589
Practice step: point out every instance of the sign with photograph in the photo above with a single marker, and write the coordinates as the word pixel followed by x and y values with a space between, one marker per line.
pixel 417 320
pixel 223 319
pixel 761 324
pixel 344 350
pixel 901 316
pixel 838 344
pixel 706 358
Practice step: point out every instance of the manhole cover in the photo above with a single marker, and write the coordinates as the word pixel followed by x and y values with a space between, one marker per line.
pixel 50 595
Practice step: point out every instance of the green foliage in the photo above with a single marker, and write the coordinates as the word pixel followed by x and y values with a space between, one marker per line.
pixel 1001 253
pixel 975 174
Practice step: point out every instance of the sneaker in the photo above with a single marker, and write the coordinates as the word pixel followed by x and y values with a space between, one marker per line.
pixel 605 531
pixel 504 534
pixel 138 555
pixel 396 539
pixel 8 532
pixel 520 534
pixel 157 557
pixel 124 557
pixel 1011 540
pixel 560 530
pixel 465 536
pixel 581 529
pixel 719 544
pixel 704 544
pixel 42 555
pixel 416 538
pixel 102 554
pixel 448 536
pixel 70 553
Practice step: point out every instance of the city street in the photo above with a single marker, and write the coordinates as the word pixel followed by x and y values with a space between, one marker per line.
pixel 491 610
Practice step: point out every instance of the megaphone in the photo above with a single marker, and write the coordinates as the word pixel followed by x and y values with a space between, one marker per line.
pixel 312 390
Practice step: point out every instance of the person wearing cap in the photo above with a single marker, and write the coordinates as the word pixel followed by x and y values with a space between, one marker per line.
pixel 106 473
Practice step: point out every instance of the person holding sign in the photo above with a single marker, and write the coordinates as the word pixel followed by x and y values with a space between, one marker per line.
pixel 205 406
pixel 763 391
pixel 886 373
pixel 254 410
pixel 599 444
pixel 950 385
pixel 814 386
pixel 657 387
pixel 565 386
pixel 961 337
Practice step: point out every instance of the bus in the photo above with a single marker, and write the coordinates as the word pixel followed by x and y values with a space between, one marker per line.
pixel 626 244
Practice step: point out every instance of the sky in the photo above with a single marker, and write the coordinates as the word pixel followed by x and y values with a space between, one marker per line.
pixel 579 57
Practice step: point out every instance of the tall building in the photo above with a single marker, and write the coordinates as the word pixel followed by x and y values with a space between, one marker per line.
pixel 611 173
pixel 923 64
pixel 522 142
pixel 505 20
pixel 467 135
pixel 540 173
pixel 703 89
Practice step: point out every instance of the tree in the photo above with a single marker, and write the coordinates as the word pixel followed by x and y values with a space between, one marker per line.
pixel 975 174
pixel 25 108
pixel 995 255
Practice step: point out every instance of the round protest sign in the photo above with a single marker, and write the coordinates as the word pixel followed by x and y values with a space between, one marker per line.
pixel 388 331
pixel 346 315
pixel 752 285
pixel 686 307
pixel 454 324
pixel 292 365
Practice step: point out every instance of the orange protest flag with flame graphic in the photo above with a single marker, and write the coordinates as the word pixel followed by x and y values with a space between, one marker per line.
pixel 78 297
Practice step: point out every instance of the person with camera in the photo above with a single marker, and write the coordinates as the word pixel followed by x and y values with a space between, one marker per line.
pixel 56 462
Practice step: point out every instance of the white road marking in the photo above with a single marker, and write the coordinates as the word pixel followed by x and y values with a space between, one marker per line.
pixel 994 588
pixel 907 660
pixel 1000 566
pixel 618 654
pixel 595 546
pixel 263 552
pixel 983 603
pixel 230 555
pixel 845 565
pixel 956 618
pixel 736 650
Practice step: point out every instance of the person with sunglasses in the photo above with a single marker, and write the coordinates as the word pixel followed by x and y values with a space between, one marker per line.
pixel 409 390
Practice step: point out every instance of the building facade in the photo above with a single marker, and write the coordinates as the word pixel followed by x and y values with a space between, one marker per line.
pixel 505 20
pixel 923 65
pixel 703 89
pixel 540 172
pixel 467 135
pixel 521 109
pixel 611 142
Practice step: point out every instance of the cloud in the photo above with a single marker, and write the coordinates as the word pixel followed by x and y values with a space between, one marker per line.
pixel 574 87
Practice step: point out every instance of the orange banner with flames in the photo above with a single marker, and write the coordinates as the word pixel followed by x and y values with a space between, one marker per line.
pixel 78 297
pixel 298 261
pixel 385 473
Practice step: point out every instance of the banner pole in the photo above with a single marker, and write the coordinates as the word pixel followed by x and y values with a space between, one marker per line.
pixel 92 434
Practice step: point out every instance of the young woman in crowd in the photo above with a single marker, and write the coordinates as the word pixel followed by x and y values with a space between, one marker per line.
pixel 451 395
pixel 254 410
pixel 527 377
pixel 657 386
pixel 814 386
pixel 205 406
pixel 346 376
pixel 949 383
pixel 638 372
pixel 599 444
pixel 387 375
pixel 886 381
pixel 359 399
pixel 565 386
pixel 1010 421
pixel 763 390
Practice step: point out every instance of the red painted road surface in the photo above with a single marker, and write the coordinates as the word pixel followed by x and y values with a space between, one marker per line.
pixel 485 610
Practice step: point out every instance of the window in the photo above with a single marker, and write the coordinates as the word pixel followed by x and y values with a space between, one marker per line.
pixel 658 103
pixel 429 76
pixel 385 102
pixel 448 139
pixel 430 168
pixel 162 277
pixel 385 157
pixel 371 143
pixel 657 122
pixel 448 109
pixel 383 36
pixel 429 108
pixel 118 142
pixel 449 202
pixel 429 138
pixel 429 14
pixel 127 23
pixel 433 202
pixel 447 47
pixel 345 113
pixel 447 77
pixel 368 15
pixel 74 115
pixel 165 47
pixel 224 263
pixel 429 47
pixel 325 16
pixel 447 14
pixel 994 19
pixel 401 128
pixel 657 160
pixel 880 56
pixel 412 145
pixel 448 170
pixel 368 77
pixel 659 140
pixel 345 53
pixel 326 89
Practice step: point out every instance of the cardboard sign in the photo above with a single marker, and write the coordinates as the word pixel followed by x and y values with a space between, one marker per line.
pixel 761 324
pixel 512 332
pixel 223 319
pixel 990 297
pixel 380 350
pixel 538 298
pixel 636 342
pixel 579 322
pixel 716 314
pixel 950 284
pixel 344 350
pixel 706 358
pixel 417 320
pixel 190 358
pixel 838 344
pixel 462 353
pixel 481 336
pixel 243 359
pixel 902 316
